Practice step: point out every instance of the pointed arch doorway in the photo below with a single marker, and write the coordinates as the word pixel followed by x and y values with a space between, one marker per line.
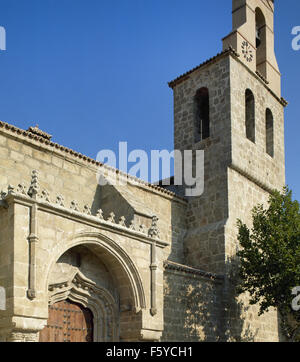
pixel 68 322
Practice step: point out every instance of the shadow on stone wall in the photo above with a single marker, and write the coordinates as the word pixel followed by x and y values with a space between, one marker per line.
pixel 110 200
pixel 197 305
pixel 236 328
pixel 191 310
pixel 198 308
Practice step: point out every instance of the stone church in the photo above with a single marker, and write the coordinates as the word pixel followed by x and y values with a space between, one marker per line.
pixel 84 262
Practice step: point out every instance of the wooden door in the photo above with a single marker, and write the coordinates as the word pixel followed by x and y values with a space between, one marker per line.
pixel 68 322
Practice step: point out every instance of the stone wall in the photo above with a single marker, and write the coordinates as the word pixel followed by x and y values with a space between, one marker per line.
pixel 252 174
pixel 206 215
pixel 193 306
pixel 38 229
pixel 239 174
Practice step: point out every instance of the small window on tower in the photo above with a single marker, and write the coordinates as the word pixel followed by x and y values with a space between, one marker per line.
pixel 269 133
pixel 250 115
pixel 202 114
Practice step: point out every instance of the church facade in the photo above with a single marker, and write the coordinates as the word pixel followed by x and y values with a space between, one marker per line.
pixel 85 262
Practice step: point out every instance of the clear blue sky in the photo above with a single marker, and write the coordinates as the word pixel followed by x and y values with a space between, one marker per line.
pixel 95 72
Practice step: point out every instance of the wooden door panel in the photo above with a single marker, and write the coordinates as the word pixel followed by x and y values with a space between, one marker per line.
pixel 68 322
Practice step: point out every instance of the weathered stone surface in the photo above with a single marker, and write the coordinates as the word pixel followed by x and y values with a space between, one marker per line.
pixel 154 266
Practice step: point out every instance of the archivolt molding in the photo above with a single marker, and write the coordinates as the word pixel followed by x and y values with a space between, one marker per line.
pixel 124 261
pixel 114 250
pixel 103 305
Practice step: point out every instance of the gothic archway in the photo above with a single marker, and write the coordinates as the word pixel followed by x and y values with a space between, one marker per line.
pixel 111 300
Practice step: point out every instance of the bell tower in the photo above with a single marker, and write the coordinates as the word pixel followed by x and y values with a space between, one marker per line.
pixel 230 107
pixel 253 38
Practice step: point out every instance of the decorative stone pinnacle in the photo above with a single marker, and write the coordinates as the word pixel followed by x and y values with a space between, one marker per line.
pixel 132 225
pixel 74 206
pixel 142 229
pixel 60 200
pixel 154 231
pixel 100 214
pixel 87 210
pixel 34 186
pixel 21 189
pixel 45 196
pixel 10 189
pixel 122 221
pixel 111 217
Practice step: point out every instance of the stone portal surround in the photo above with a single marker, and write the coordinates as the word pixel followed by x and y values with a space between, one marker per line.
pixel 39 200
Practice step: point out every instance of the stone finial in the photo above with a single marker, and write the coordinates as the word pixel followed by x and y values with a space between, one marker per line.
pixel 45 196
pixel 100 214
pixel 60 200
pixel 21 189
pixel 74 206
pixel 142 229
pixel 87 210
pixel 111 218
pixel 34 186
pixel 154 231
pixel 10 189
pixel 132 225
pixel 122 221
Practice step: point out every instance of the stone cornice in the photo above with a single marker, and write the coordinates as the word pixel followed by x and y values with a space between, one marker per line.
pixel 139 232
pixel 251 178
pixel 170 265
pixel 264 82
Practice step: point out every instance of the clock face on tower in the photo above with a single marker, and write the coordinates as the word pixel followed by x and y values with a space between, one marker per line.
pixel 247 51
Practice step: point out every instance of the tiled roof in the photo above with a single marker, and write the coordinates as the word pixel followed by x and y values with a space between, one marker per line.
pixel 35 130
pixel 230 50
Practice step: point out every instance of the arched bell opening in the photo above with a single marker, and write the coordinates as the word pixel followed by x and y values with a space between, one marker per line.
pixel 261 41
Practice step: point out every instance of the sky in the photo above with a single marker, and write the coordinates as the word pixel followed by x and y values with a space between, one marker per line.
pixel 94 72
